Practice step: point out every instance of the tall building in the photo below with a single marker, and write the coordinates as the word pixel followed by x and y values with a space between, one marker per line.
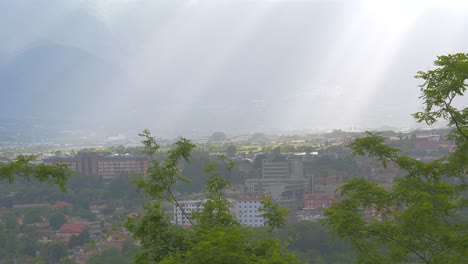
pixel 291 168
pixel 86 163
pixel 284 181
pixel 296 169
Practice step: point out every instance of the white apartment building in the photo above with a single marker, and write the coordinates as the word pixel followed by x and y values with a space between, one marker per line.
pixel 247 211
pixel 188 206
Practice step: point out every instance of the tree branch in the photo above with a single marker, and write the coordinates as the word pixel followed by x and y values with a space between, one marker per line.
pixel 402 244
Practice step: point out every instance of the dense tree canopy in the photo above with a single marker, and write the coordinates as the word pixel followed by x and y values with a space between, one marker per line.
pixel 312 243
pixel 109 256
pixel 215 235
pixel 423 218
pixel 57 220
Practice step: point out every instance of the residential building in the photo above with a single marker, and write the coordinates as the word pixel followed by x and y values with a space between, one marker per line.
pixel 111 166
pixel 102 165
pixel 67 230
pixel 319 200
pixel 247 211
pixel 188 207
pixel 60 205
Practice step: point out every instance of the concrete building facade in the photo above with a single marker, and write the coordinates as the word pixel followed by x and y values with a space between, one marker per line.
pixel 102 165
pixel 291 168
pixel 189 206
pixel 112 166
pixel 247 211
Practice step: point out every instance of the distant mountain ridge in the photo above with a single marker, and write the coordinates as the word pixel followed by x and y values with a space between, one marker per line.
pixel 51 77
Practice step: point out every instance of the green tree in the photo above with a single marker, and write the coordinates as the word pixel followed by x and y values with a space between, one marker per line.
pixel 79 240
pixel 27 244
pixel 422 218
pixel 218 136
pixel 273 214
pixel 10 220
pixel 276 155
pixel 258 138
pixel 84 237
pixel 312 243
pixel 128 248
pixel 32 216
pixel 67 261
pixel 56 220
pixel 73 241
pixel 22 167
pixel 23 241
pixel 216 236
pixel 109 256
pixel 231 151
pixel 54 252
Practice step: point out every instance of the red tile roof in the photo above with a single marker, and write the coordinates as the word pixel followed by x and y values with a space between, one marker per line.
pixel 73 228
pixel 60 204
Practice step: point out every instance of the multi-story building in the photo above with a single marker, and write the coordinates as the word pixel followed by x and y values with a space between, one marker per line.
pixel 278 188
pixel 291 168
pixel 188 206
pixel 86 163
pixel 102 165
pixel 319 200
pixel 247 211
pixel 111 166
pixel 284 181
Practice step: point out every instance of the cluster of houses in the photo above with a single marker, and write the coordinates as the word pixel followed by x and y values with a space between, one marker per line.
pixel 73 228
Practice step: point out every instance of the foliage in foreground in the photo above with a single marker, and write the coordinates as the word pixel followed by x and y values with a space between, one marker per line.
pixel 215 234
pixel 311 243
pixel 24 168
pixel 421 218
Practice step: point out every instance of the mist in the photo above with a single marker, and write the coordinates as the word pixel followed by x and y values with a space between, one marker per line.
pixel 179 66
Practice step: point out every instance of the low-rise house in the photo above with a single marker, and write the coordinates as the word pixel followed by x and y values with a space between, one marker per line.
pixel 69 229
pixel 59 205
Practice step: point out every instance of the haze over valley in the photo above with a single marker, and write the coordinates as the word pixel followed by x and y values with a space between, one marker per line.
pixel 194 67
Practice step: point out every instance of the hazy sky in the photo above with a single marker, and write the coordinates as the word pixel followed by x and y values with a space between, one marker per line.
pixel 243 65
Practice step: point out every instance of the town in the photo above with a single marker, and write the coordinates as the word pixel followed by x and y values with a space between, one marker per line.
pixel 233 132
pixel 299 172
